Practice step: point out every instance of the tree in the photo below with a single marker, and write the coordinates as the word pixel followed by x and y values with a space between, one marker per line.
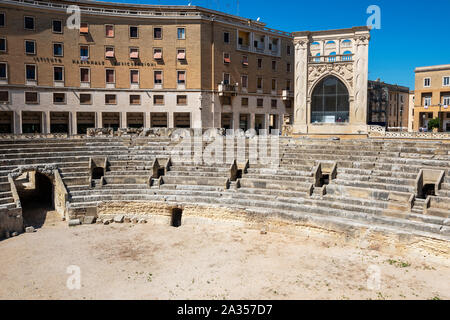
pixel 433 123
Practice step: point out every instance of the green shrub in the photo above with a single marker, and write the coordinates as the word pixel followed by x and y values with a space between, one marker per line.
pixel 433 123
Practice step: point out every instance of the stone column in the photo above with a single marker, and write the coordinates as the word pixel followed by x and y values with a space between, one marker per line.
pixel 170 120
pixel 46 122
pixel 147 122
pixel 123 120
pixel 301 84
pixel 361 69
pixel 98 120
pixel 74 123
pixel 17 122
pixel 252 121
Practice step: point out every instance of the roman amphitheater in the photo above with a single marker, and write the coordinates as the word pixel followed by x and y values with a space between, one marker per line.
pixel 119 178
pixel 382 196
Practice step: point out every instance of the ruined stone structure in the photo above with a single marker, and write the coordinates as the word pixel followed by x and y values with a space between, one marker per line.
pixel 381 185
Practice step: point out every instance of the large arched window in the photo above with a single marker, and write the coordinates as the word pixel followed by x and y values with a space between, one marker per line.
pixel 330 101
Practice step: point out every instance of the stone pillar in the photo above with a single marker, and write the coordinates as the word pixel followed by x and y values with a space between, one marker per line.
pixel 170 119
pixel 147 120
pixel 17 122
pixel 361 69
pixel 73 123
pixel 45 122
pixel 98 120
pixel 236 116
pixel 123 120
pixel 252 121
pixel 266 121
pixel 301 84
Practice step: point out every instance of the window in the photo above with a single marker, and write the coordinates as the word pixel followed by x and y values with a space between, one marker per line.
pixel 157 54
pixel 226 101
pixel 134 32
pixel 226 78
pixel 58 50
pixel 288 67
pixel 110 99
pixel 3 70
pixel 4 96
pixel 182 100
pixel 2 19
pixel 84 28
pixel 446 81
pixel 30 71
pixel 244 102
pixel 226 37
pixel 158 99
pixel 259 83
pixel 2 44
pixel 260 102
pixel 181 32
pixel 181 77
pixel 109 52
pixel 58 73
pixel 274 84
pixel 260 63
pixel 135 99
pixel 30 47
pixel 288 85
pixel 245 61
pixel 158 77
pixel 274 103
pixel 31 97
pixel 57 26
pixel 226 58
pixel 28 23
pixel 244 81
pixel 330 101
pixel 181 54
pixel 84 52
pixel 134 76
pixel 446 101
pixel 59 98
pixel 85 98
pixel 157 33
pixel 109 31
pixel 110 76
pixel 134 53
pixel 85 75
pixel 427 82
pixel 274 65
pixel 427 101
pixel 288 50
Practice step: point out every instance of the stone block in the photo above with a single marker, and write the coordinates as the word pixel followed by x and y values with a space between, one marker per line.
pixel 119 218
pixel 74 222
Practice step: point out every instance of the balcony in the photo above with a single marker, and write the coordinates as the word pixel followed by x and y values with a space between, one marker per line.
pixel 287 95
pixel 331 59
pixel 227 89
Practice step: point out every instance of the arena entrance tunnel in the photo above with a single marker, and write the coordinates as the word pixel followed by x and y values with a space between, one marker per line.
pixel 36 193
pixel 177 214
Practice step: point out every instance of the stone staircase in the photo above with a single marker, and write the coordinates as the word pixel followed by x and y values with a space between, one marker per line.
pixel 373 179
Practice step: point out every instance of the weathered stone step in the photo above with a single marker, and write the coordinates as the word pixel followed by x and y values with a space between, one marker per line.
pixel 374 185
pixel 299 186
pixel 190 180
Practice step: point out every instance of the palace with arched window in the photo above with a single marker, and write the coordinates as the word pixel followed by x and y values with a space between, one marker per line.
pixel 331 73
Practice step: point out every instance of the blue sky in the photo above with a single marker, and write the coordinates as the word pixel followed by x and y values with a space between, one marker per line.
pixel 413 33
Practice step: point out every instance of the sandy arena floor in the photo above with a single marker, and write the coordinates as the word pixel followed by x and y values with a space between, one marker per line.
pixel 212 261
